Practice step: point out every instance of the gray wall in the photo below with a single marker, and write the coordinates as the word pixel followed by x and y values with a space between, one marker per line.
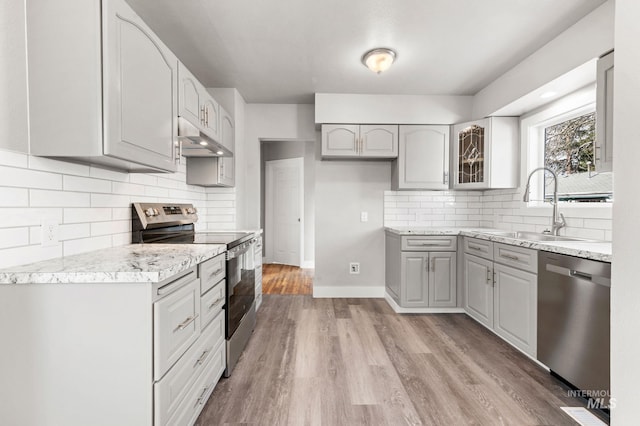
pixel 281 150
pixel 13 77
pixel 343 190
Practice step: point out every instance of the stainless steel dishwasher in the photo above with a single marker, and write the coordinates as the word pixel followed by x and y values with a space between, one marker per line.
pixel 573 321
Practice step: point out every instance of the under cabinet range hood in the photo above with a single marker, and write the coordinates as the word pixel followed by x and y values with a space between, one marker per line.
pixel 194 143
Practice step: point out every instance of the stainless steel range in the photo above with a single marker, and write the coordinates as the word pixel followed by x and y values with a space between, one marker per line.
pixel 160 223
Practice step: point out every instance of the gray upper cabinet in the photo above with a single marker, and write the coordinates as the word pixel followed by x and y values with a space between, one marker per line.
pixel 196 105
pixel 423 158
pixel 604 114
pixel 359 141
pixel 102 86
pixel 486 153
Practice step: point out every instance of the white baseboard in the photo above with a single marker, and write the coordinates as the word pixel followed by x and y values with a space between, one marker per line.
pixel 351 291
pixel 308 264
pixel 400 310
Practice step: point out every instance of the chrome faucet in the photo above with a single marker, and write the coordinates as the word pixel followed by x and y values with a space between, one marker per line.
pixel 557 219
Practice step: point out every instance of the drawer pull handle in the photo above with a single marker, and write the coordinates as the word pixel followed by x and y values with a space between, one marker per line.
pixel 508 256
pixel 202 358
pixel 216 302
pixel 200 401
pixel 216 272
pixel 475 247
pixel 431 244
pixel 185 323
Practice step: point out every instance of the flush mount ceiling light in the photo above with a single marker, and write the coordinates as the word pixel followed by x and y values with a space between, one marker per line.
pixel 378 60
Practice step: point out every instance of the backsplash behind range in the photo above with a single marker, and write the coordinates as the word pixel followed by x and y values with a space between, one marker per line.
pixel 173 223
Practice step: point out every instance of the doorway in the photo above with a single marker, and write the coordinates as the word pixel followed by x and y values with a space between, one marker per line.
pixel 287 215
pixel 284 210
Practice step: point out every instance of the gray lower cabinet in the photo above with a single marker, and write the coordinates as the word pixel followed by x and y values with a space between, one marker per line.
pixel 478 284
pixel 515 316
pixel 500 288
pixel 421 278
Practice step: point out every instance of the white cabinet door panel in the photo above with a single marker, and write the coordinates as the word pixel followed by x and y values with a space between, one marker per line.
pixel 340 140
pixel 139 90
pixel 423 158
pixel 379 141
pixel 515 304
pixel 478 280
pixel 415 278
pixel 442 280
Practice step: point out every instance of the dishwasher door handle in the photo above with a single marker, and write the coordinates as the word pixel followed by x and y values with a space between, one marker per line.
pixel 581 275
pixel 574 273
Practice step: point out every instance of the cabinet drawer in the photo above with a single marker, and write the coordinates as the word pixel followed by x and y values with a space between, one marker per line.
pixel 179 381
pixel 479 248
pixel 211 272
pixel 211 303
pixel 176 325
pixel 429 243
pixel 198 395
pixel 517 257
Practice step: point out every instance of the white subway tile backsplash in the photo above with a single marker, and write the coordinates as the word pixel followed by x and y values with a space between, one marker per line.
pixel 502 209
pixel 113 175
pixel 108 200
pixel 74 231
pixel 15 159
pixel 82 245
pixel 83 215
pixel 14 197
pixel 25 178
pixel 57 166
pixel 14 237
pixel 91 205
pixel 45 198
pixel 84 184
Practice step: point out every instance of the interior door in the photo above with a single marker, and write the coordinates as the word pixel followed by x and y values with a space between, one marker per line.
pixel 284 210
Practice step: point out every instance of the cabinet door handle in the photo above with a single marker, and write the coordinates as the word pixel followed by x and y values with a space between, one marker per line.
pixel 202 115
pixel 489 275
pixel 510 257
pixel 185 323
pixel 206 116
pixel 445 178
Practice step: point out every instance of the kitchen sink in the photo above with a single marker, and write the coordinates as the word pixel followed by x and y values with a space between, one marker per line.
pixel 533 236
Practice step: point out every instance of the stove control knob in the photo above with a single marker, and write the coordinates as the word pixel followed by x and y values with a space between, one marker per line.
pixel 150 212
pixel 191 210
pixel 155 212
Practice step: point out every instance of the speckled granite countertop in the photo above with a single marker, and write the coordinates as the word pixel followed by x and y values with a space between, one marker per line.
pixel 134 263
pixel 594 250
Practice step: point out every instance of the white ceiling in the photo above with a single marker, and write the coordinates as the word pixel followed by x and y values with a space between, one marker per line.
pixel 283 51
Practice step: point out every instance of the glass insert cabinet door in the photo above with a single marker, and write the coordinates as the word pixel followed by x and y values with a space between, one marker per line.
pixel 471 153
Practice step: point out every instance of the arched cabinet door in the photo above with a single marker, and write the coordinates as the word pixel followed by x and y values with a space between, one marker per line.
pixel 140 90
pixel 423 158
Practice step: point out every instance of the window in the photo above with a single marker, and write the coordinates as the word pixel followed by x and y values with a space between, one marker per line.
pixel 561 137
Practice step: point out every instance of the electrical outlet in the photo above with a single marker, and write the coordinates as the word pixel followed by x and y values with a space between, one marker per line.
pixel 354 268
pixel 49 231
pixel 364 216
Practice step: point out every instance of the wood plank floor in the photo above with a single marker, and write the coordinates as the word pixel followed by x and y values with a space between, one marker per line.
pixel 285 279
pixel 356 362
